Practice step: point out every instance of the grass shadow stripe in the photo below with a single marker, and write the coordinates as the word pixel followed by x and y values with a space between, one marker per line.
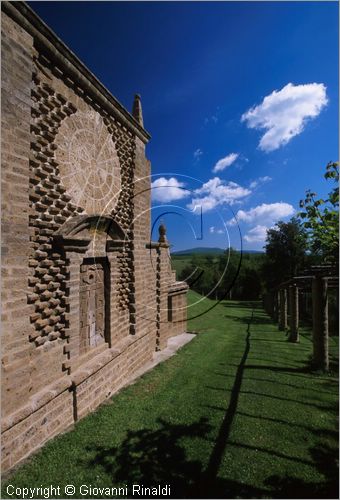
pixel 210 474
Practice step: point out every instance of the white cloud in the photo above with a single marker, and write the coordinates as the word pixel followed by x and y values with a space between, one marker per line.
pixel 260 180
pixel 166 190
pixel 264 214
pixel 284 113
pixel 215 193
pixel 213 230
pixel 257 234
pixel 225 162
pixel 197 154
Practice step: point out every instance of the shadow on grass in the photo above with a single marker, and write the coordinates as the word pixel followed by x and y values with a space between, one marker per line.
pixel 265 320
pixel 285 369
pixel 325 460
pixel 307 369
pixel 208 478
pixel 324 433
pixel 244 304
pixel 151 457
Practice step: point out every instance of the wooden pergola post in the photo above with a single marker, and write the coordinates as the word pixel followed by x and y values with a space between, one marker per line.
pixel 320 323
pixel 283 309
pixel 294 313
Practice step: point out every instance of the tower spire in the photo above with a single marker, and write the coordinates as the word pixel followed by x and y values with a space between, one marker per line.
pixel 137 110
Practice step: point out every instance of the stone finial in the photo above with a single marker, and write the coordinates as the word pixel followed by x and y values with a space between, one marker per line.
pixel 162 234
pixel 137 110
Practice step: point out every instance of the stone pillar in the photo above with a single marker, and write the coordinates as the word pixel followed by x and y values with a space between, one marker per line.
pixel 294 313
pixel 283 309
pixel 320 323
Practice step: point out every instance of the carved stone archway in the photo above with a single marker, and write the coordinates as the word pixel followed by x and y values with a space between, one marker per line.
pixel 90 246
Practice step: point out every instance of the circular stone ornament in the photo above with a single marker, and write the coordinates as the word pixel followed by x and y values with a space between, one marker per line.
pixel 88 162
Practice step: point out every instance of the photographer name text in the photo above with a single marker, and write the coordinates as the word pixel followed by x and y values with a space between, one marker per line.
pixel 71 490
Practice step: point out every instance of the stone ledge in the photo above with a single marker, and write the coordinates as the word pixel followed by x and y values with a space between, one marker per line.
pixel 153 245
pixel 178 287
pixel 45 397
pixel 36 402
pixel 92 366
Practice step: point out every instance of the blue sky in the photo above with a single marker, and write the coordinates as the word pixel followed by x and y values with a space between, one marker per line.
pixel 240 98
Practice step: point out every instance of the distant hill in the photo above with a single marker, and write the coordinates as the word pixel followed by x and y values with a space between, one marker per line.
pixel 208 250
pixel 205 250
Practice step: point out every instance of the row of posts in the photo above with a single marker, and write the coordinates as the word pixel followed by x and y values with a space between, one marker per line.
pixel 276 305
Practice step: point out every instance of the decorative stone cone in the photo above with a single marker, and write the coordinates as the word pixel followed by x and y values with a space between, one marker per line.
pixel 137 110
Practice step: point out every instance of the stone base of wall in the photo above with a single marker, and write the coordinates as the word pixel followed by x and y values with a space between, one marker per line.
pixel 59 405
pixel 177 309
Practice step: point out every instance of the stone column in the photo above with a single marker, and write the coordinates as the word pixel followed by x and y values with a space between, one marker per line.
pixel 320 323
pixel 294 313
pixel 283 309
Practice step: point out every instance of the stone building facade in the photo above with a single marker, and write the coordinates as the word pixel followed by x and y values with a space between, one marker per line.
pixel 87 297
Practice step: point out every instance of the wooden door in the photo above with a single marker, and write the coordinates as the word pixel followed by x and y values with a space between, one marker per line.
pixel 92 305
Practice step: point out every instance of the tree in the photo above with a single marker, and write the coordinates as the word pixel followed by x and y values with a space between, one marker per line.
pixel 321 217
pixel 222 276
pixel 285 252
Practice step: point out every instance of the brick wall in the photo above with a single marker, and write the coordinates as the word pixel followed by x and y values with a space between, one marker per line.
pixel 16 70
pixel 75 190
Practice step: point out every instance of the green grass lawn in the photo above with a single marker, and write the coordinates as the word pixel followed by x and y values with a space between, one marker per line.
pixel 235 414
